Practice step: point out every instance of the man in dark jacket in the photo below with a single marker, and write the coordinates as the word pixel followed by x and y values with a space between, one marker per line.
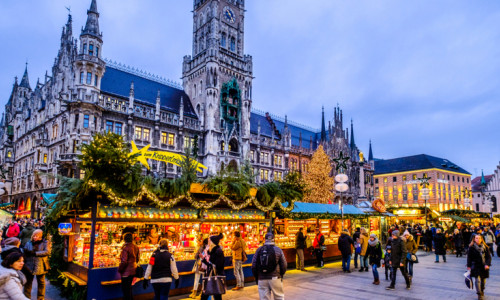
pixel 355 238
pixel 440 245
pixel 271 281
pixel 398 259
pixel 345 246
pixel 300 245
pixel 26 233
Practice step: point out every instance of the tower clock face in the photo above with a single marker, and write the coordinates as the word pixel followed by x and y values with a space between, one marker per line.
pixel 229 15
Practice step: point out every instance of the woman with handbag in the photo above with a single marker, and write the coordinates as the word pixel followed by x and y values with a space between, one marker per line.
pixel 199 267
pixel 129 258
pixel 411 248
pixel 161 269
pixel 479 263
pixel 215 265
pixel 36 252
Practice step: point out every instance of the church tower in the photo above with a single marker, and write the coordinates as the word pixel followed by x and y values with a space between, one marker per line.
pixel 218 79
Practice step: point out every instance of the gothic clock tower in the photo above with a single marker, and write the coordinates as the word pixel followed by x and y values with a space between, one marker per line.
pixel 218 79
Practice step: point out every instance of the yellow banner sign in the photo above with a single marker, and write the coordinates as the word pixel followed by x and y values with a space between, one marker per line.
pixel 167 157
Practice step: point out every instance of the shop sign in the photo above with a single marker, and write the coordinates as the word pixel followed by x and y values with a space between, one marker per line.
pixel 443 219
pixel 412 182
pixel 164 156
pixel 65 228
pixel 379 205
pixel 407 212
pixel 442 181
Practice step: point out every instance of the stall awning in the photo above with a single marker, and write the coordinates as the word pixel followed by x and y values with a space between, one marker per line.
pixel 468 214
pixel 2 205
pixel 318 208
pixel 457 218
pixel 49 198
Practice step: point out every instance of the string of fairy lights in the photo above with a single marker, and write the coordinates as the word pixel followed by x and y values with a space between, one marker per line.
pixel 160 203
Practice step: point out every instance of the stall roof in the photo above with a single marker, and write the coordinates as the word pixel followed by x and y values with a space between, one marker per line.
pixel 457 218
pixel 6 204
pixel 319 208
pixel 49 198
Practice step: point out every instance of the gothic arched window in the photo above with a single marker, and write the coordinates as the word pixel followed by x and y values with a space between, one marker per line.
pixel 232 46
pixel 223 40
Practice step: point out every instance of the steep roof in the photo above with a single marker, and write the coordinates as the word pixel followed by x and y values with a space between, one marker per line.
pixel 476 182
pixel 415 162
pixel 295 129
pixel 117 82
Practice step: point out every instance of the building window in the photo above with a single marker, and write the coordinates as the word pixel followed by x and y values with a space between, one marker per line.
pixel 477 206
pixel 385 179
pixel 96 78
pixel 45 158
pixel 89 78
pixel 414 177
pixel 404 177
pixel 138 132
pixel 164 138
pixel 54 131
pixel 9 154
pixel 187 142
pixel 109 126
pixel 223 40
pixel 85 121
pixel 91 49
pixel 394 179
pixel 118 128
pixel 145 134
pixel 171 139
pixel 376 180
pixel 252 154
pixel 97 51
pixel 453 178
pixel 81 77
pixel 84 48
pixel 233 44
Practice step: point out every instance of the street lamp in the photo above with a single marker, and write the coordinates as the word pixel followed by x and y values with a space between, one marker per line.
pixel 341 187
pixel 424 183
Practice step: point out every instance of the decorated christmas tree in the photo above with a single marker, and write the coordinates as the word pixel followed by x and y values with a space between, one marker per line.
pixel 317 178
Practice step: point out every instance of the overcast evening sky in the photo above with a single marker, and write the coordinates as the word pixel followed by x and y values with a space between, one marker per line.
pixel 415 76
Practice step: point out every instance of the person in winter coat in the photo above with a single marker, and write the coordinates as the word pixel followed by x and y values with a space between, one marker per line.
pixel 318 244
pixel 300 245
pixel 238 246
pixel 129 258
pixel 11 245
pixel 13 229
pixel 387 262
pixel 355 238
pixel 479 263
pixel 428 239
pixel 26 234
pixel 440 245
pixel 374 254
pixel 161 269
pixel 398 260
pixel 215 262
pixel 363 240
pixel 199 266
pixel 11 277
pixel 489 239
pixel 458 241
pixel 37 252
pixel 270 282
pixel 411 248
pixel 345 246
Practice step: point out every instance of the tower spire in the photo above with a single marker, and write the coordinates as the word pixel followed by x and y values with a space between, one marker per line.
pixel 25 80
pixel 323 130
pixel 370 152
pixel 483 180
pixel 92 25
pixel 353 144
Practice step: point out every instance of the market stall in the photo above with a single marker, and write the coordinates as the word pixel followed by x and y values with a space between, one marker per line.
pixel 95 261
pixel 377 219
pixel 5 216
pixel 326 217
pixel 468 216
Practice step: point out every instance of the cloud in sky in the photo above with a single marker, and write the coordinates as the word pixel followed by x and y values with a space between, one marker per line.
pixel 416 77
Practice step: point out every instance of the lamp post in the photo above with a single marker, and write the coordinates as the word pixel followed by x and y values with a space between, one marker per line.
pixel 341 178
pixel 424 183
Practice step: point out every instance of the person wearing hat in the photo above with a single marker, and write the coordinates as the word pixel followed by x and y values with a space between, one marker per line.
pixel 398 260
pixel 345 246
pixel 387 264
pixel 215 262
pixel 269 273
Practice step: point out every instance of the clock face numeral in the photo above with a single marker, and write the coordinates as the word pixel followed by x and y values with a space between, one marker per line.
pixel 229 15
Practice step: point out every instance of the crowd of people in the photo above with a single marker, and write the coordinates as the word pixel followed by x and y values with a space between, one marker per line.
pixel 25 257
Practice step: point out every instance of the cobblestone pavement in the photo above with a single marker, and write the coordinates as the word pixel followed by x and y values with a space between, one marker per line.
pixel 430 281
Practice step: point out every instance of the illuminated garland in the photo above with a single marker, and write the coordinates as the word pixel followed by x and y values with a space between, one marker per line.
pixel 150 196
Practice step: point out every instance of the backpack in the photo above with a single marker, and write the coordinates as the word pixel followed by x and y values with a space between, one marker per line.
pixel 266 262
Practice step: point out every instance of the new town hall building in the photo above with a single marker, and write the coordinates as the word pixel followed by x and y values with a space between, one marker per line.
pixel 44 125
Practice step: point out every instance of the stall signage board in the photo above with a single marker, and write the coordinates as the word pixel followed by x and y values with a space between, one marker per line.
pixel 167 157
pixel 443 219
pixel 379 205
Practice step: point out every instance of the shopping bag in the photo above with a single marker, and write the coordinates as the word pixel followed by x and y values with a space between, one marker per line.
pixel 214 284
